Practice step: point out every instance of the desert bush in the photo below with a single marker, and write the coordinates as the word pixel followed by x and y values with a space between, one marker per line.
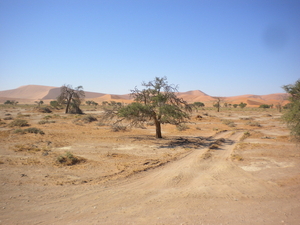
pixel 2 122
pixel 26 147
pixel 214 146
pixel 253 124
pixel 46 121
pixel 19 131
pixel 236 157
pixel 245 135
pixel 20 115
pixel 118 127
pixel 182 127
pixel 44 109
pixel 34 130
pixel 88 119
pixel 101 124
pixel 19 123
pixel 8 118
pixel 68 159
pixel 220 141
pixel 229 123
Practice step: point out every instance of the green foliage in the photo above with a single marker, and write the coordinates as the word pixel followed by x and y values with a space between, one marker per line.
pixel 157 102
pixel 199 104
pixel 46 121
pixel 34 130
pixel 292 115
pixel 91 103
pixel 264 106
pixel 54 104
pixel 11 102
pixel 235 105
pixel 243 105
pixel 19 123
pixel 68 159
pixel 29 130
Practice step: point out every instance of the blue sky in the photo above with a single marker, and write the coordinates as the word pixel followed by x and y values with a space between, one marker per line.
pixel 223 48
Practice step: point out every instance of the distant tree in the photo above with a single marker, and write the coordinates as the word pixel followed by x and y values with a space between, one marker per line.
pixel 199 104
pixel 235 105
pixel 11 102
pixel 54 104
pixel 292 115
pixel 88 102
pixel 217 104
pixel 72 98
pixel 243 105
pixel 225 104
pixel 264 106
pixel 8 102
pixel 157 102
pixel 105 103
pixel 39 103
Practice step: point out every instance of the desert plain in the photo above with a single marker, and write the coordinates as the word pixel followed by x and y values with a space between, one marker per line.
pixel 236 166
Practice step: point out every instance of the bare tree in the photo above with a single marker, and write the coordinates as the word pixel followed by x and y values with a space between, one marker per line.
pixel 72 97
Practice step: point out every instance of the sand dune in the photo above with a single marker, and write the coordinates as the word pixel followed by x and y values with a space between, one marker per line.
pixel 30 93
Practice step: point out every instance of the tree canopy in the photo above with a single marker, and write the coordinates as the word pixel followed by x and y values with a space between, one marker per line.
pixel 292 115
pixel 72 97
pixel 157 102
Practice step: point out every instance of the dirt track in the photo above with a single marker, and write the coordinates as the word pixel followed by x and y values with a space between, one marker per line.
pixel 203 186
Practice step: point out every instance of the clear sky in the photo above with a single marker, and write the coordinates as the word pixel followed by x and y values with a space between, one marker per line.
pixel 223 48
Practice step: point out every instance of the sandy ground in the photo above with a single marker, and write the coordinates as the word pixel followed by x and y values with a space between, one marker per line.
pixel 132 178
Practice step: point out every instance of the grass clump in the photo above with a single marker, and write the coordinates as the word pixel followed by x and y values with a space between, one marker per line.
pixel 88 119
pixel 253 124
pixel 8 118
pixel 68 159
pixel 229 123
pixel 26 148
pixel 118 127
pixel 182 127
pixel 46 121
pixel 19 123
pixel 32 130
pixel 245 135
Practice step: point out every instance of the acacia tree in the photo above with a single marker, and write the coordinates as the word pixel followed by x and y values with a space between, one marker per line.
pixel 157 102
pixel 292 115
pixel 71 97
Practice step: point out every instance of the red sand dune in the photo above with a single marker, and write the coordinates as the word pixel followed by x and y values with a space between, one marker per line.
pixel 30 93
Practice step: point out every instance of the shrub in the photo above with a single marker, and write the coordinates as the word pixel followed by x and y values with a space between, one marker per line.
pixel 253 124
pixel 19 123
pixel 8 118
pixel 68 159
pixel 88 119
pixel 34 130
pixel 182 127
pixel 44 110
pixel 214 146
pixel 100 124
pixel 46 121
pixel 229 123
pixel 117 128
pixel 19 131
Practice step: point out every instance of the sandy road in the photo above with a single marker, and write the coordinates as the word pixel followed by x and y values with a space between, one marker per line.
pixel 192 190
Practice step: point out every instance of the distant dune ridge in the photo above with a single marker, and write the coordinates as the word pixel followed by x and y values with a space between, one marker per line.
pixel 28 94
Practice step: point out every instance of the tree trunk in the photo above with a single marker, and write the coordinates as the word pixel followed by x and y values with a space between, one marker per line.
pixel 158 128
pixel 68 104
